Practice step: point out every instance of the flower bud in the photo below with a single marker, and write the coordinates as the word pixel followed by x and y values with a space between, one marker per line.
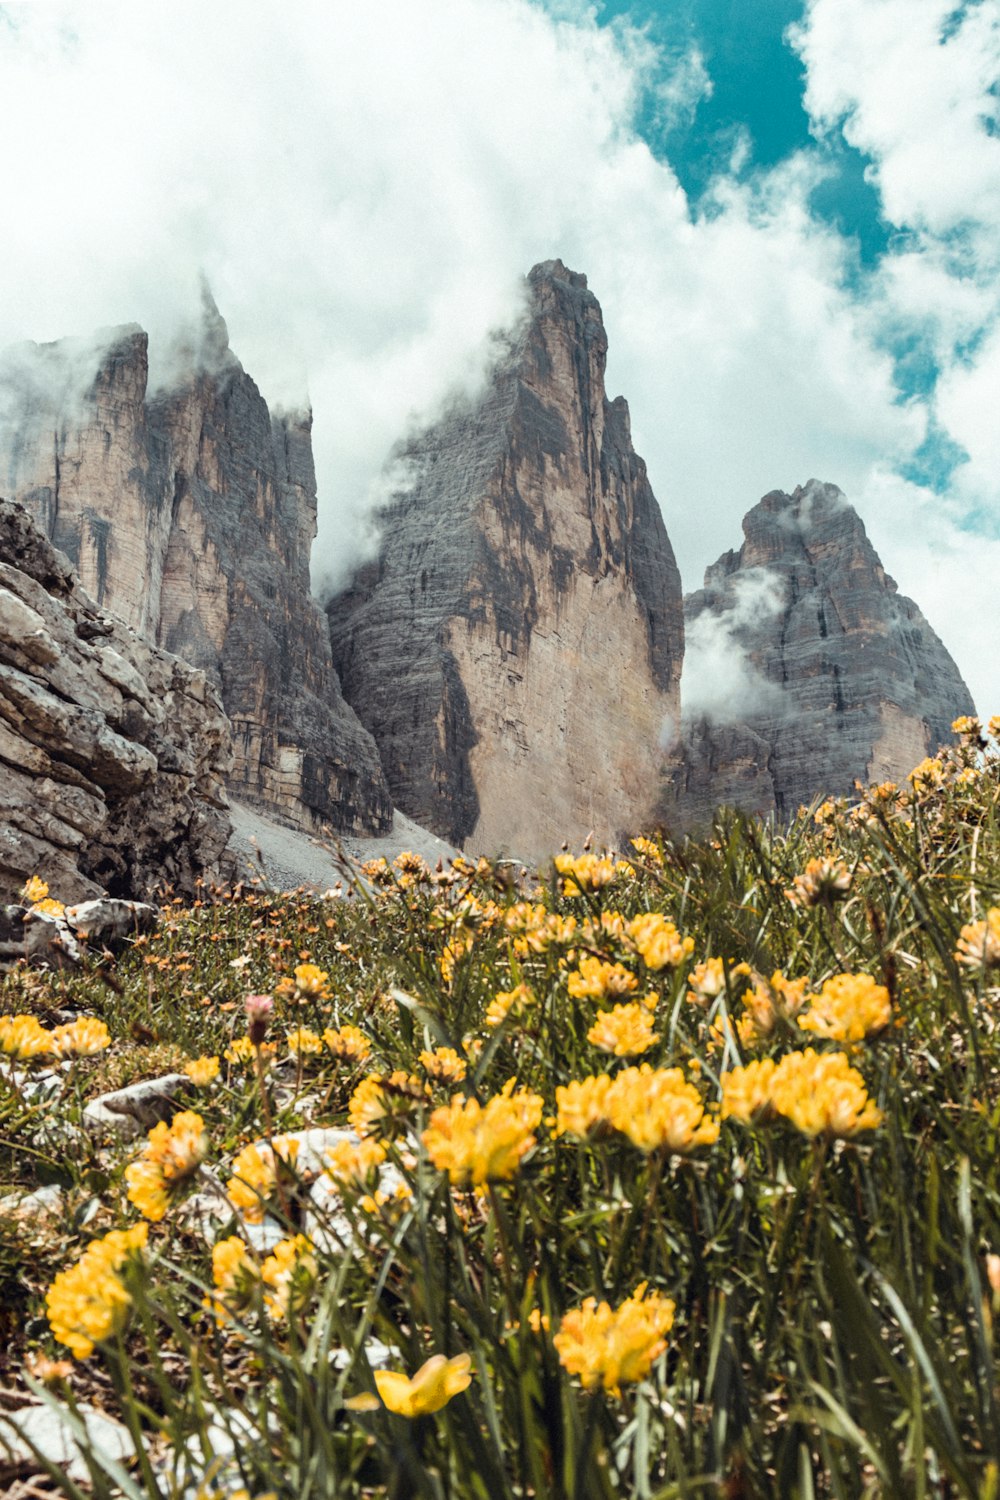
pixel 258 1009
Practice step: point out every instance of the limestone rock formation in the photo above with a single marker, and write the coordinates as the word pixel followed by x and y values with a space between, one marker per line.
pixel 113 753
pixel 807 671
pixel 191 514
pixel 516 645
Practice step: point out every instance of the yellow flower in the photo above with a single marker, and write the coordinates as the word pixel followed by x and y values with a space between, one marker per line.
pixel 432 1387
pixel 172 1153
pixel 978 945
pixel 707 981
pixel 202 1071
pixel 311 982
pixel 582 1105
pixel 536 929
pixel 242 1050
pixel 658 941
pixel 34 890
pixel 929 774
pixel 822 882
pixel 594 980
pixel 506 1003
pixel 444 1064
pixel 254 1176
pixel 352 1165
pixel 88 1303
pixel 611 1347
pixel 83 1037
pixel 479 1143
pixel 657 1109
pixel 848 1008
pixel 234 1275
pixel 24 1037
pixel 648 850
pixel 967 725
pixel 303 1043
pixel 821 1094
pixel 290 1271
pixel 768 1002
pixel 587 873
pixel 627 1031
pixel 349 1043
pixel 993 727
pixel 49 907
pixel 383 1105
pixel 746 1092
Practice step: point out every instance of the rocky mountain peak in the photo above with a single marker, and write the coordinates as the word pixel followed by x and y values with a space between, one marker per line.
pixel 191 514
pixel 525 592
pixel 807 670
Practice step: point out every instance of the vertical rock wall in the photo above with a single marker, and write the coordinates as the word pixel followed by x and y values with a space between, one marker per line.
pixel 516 646
pixel 191 514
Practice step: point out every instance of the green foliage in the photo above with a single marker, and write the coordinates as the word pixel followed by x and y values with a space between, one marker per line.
pixel 836 1293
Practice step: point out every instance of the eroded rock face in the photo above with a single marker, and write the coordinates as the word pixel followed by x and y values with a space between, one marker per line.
pixel 517 644
pixel 113 753
pixel 807 670
pixel 191 514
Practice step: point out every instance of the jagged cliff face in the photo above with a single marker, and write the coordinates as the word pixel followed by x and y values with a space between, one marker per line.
pixel 113 753
pixel 191 515
pixel 517 645
pixel 826 675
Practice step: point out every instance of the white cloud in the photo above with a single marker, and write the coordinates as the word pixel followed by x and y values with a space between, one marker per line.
pixel 365 186
pixel 721 682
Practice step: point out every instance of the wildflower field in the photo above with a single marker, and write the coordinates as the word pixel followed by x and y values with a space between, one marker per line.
pixel 668 1173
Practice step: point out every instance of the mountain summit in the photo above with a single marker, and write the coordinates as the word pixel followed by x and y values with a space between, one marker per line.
pixel 517 643
pixel 806 670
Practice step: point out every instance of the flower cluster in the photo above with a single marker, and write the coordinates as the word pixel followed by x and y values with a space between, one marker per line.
pixel 290 1273
pixel 479 1143
pixel 25 1038
pixel 610 1347
pixel 625 1031
pixel 383 1104
pixel 594 979
pixel 586 873
pixel 659 944
pixel 817 1092
pixel 655 1108
pixel 172 1154
pixel 255 1175
pixel 89 1303
pixel 849 1008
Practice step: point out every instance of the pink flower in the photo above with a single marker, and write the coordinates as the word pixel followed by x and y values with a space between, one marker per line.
pixel 258 1009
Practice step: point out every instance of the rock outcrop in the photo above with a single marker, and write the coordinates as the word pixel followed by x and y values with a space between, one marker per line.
pixel 113 753
pixel 516 646
pixel 807 671
pixel 191 514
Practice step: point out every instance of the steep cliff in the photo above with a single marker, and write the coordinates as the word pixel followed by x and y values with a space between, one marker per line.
pixel 191 514
pixel 517 644
pixel 807 670
pixel 113 753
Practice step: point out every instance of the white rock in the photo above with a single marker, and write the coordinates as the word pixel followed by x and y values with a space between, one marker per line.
pixel 129 1112
pixel 49 1429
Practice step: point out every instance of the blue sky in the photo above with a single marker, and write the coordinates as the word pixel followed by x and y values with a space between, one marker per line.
pixel 756 94
pixel 789 210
